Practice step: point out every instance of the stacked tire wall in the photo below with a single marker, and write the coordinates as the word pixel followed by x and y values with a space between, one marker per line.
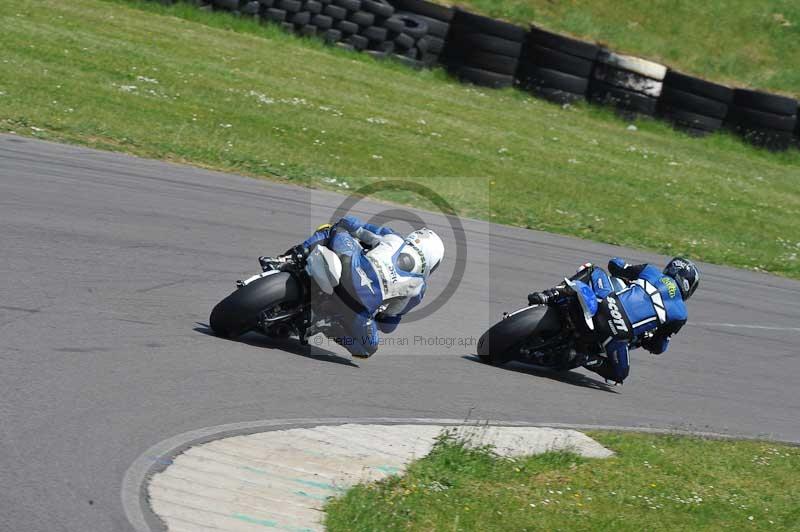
pixel 483 51
pixel 694 105
pixel 374 26
pixel 631 84
pixel 497 54
pixel 437 18
pixel 556 67
pixel 763 119
pixel 797 135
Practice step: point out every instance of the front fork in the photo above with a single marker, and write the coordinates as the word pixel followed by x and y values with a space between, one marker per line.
pixel 567 350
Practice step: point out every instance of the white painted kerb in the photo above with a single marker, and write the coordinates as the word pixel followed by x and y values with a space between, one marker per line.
pixel 281 479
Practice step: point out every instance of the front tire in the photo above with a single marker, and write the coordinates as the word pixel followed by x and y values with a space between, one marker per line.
pixel 501 343
pixel 239 312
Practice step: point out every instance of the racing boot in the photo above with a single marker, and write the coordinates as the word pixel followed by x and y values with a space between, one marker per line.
pixel 602 367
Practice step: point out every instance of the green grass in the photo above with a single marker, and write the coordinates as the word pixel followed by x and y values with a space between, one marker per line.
pixel 653 483
pixel 180 84
pixel 743 43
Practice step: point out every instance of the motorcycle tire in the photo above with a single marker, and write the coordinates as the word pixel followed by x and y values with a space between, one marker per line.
pixel 500 343
pixel 239 312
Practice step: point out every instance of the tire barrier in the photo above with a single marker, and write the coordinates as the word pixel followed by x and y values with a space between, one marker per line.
pixel 372 26
pixel 694 105
pixel 762 119
pixel 497 54
pixel 409 33
pixel 556 67
pixel 437 18
pixel 797 135
pixel 632 85
pixel 483 51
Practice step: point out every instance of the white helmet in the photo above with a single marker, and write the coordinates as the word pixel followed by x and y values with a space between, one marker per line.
pixel 422 253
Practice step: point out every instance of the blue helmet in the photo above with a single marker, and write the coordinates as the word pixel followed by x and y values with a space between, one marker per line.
pixel 685 274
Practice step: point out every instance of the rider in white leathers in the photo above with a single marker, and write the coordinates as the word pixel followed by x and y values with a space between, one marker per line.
pixel 375 275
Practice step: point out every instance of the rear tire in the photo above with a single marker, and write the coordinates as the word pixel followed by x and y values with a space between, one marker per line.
pixel 239 312
pixel 500 343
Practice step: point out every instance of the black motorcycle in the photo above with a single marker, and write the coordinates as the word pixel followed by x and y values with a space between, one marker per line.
pixel 275 302
pixel 561 335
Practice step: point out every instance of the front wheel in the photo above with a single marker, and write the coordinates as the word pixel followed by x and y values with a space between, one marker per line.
pixel 502 342
pixel 239 312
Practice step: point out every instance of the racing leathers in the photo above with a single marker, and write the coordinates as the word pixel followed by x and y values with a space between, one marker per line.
pixel 638 306
pixel 645 313
pixel 373 292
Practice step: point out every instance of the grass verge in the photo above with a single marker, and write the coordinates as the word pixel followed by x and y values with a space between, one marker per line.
pixel 176 83
pixel 653 483
pixel 739 42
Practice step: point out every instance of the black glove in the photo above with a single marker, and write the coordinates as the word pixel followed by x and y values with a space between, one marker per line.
pixel 542 298
pixel 298 254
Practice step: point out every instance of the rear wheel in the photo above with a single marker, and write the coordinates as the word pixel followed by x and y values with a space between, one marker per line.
pixel 501 343
pixel 239 312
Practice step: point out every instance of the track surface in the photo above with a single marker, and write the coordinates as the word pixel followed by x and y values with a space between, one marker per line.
pixel 110 265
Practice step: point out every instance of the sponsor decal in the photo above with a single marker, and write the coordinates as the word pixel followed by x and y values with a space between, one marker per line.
pixel 420 254
pixel 680 263
pixel 377 266
pixel 672 288
pixel 365 280
pixel 617 323
pixel 392 273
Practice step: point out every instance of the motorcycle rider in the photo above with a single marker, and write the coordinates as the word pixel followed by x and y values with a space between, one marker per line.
pixel 645 310
pixel 374 276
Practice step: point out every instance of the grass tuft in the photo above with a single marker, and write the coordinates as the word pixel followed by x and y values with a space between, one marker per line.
pixel 653 483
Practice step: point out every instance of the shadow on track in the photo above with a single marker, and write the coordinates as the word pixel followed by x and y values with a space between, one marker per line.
pixel 568 377
pixel 289 345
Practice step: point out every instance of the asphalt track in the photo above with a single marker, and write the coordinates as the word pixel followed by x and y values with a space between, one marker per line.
pixel 110 265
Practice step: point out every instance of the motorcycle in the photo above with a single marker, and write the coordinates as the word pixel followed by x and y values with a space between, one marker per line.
pixel 275 302
pixel 290 297
pixel 560 336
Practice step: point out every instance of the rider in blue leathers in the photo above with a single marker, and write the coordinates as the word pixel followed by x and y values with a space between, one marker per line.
pixel 379 277
pixel 640 305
